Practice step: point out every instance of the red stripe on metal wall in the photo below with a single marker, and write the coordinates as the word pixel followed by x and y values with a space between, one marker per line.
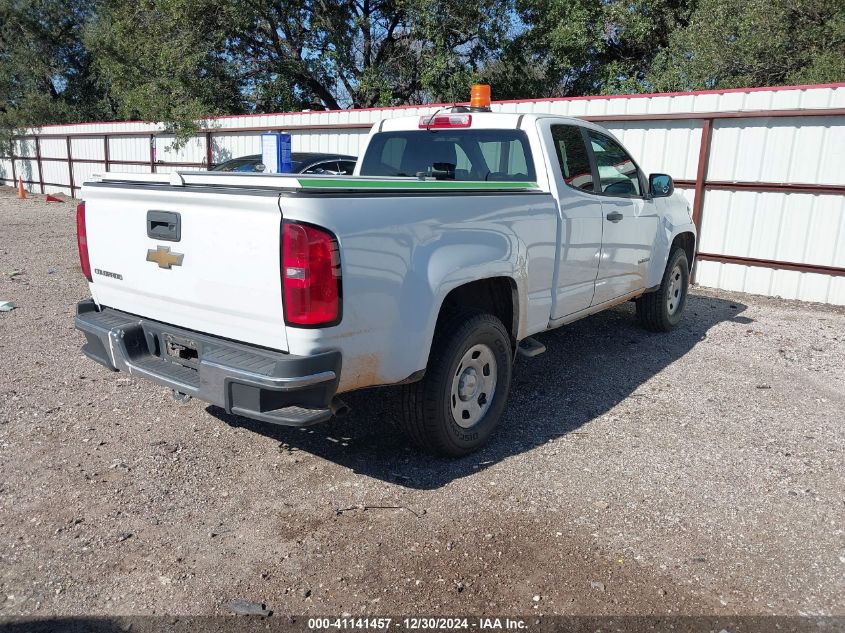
pixel 836 271
pixel 776 187
pixel 734 114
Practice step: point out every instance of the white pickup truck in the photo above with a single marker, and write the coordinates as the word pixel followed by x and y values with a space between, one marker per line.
pixel 460 236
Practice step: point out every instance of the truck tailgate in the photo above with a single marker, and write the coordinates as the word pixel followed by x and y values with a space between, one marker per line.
pixel 227 281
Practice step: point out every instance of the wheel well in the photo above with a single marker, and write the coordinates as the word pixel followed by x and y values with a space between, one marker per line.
pixel 687 242
pixel 496 296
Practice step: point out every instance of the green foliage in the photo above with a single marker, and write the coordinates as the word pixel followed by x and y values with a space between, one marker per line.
pixel 164 60
pixel 46 73
pixel 755 43
pixel 577 47
pixel 337 53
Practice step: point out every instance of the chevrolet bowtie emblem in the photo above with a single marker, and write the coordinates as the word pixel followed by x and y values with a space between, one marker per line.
pixel 164 258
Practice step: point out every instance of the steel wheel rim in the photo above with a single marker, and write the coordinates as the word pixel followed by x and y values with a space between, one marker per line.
pixel 676 290
pixel 473 386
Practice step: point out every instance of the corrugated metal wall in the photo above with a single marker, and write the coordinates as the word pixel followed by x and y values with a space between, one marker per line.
pixel 663 132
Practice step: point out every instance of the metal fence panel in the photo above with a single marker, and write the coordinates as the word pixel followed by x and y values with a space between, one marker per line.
pixel 669 147
pixel 779 150
pixel 129 148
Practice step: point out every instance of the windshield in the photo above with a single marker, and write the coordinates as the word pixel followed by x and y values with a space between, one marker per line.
pixel 494 155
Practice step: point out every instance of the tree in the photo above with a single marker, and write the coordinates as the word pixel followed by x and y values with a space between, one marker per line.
pixel 180 60
pixel 364 53
pixel 165 60
pixel 46 74
pixel 582 47
pixel 729 44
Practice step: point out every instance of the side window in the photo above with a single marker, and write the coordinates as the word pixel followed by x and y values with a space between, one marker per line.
pixel 572 157
pixel 617 172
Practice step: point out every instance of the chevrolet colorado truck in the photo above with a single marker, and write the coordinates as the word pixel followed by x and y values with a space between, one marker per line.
pixel 460 235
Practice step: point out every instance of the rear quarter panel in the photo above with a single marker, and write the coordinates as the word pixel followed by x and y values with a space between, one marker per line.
pixel 400 257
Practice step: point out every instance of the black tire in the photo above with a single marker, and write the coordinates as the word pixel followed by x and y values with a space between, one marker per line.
pixel 427 405
pixel 653 309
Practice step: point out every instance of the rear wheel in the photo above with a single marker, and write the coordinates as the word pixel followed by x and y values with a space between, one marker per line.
pixel 454 409
pixel 660 311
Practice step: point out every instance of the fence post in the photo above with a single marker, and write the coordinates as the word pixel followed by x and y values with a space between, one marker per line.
pixel 38 162
pixel 152 153
pixel 70 166
pixel 12 143
pixel 701 181
pixel 209 151
pixel 106 151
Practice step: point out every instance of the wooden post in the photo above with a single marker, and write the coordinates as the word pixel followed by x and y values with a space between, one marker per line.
pixel 70 167
pixel 209 151
pixel 701 182
pixel 13 142
pixel 106 151
pixel 38 162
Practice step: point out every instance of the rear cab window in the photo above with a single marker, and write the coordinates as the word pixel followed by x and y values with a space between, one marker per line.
pixel 491 155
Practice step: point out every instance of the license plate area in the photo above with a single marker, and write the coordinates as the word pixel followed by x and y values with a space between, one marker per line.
pixel 181 350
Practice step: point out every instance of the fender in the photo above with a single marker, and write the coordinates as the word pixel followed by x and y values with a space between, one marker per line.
pixel 675 220
pixel 456 260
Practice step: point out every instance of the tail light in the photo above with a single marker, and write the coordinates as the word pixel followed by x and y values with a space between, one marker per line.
pixel 310 275
pixel 440 121
pixel 82 241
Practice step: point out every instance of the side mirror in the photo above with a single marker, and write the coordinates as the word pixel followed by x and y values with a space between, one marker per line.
pixel 661 185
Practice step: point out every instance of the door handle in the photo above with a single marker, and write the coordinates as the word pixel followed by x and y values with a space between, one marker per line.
pixel 164 225
pixel 614 216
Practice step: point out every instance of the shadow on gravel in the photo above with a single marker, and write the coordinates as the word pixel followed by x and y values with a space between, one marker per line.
pixel 589 367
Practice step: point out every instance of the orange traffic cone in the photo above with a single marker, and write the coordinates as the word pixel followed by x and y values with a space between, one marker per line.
pixel 21 190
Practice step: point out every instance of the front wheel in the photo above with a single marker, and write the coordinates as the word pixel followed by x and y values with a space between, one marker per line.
pixel 661 310
pixel 454 409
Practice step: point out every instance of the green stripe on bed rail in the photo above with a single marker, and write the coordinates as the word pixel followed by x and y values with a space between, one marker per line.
pixel 424 185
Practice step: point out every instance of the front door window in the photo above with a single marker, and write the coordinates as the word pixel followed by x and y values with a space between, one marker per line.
pixel 618 173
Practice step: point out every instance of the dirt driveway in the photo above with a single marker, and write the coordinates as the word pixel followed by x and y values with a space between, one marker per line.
pixel 697 472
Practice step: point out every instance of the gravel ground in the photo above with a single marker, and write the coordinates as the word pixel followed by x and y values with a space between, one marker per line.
pixel 696 472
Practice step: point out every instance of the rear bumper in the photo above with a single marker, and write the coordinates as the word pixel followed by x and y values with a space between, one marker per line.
pixel 243 379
